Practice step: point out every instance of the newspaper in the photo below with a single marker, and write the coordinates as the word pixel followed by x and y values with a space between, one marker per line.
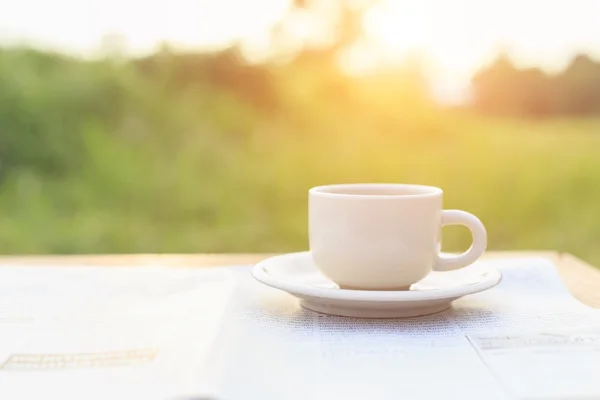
pixel 181 334
pixel 277 350
pixel 109 333
pixel 551 364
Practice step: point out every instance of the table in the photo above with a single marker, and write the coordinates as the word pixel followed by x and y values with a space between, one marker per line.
pixel 582 279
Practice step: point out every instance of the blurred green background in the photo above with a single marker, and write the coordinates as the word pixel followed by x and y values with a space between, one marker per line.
pixel 205 151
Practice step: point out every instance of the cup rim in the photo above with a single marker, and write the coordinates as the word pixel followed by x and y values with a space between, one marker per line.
pixel 332 190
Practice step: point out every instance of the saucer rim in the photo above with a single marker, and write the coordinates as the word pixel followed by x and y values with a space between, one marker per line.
pixel 493 278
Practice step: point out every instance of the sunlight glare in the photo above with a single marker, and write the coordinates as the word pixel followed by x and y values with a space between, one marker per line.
pixel 456 38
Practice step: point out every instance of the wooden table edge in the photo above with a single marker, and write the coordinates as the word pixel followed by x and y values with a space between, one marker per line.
pixel 582 279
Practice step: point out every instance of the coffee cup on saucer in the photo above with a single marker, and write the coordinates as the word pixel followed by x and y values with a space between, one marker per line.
pixel 384 236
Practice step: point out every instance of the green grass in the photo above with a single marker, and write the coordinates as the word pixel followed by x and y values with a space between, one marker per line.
pixel 535 185
pixel 97 158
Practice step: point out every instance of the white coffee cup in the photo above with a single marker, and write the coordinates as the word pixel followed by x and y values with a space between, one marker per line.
pixel 384 236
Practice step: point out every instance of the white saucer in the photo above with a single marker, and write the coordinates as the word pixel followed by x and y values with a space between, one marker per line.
pixel 296 274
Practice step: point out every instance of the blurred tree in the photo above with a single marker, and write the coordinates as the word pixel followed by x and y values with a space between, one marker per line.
pixel 534 96
pixel 334 26
pixel 496 88
pixel 222 70
pixel 315 62
pixel 311 60
pixel 503 89
pixel 33 118
pixel 46 102
pixel 579 87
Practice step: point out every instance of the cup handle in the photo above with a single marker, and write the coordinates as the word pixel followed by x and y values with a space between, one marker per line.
pixel 458 217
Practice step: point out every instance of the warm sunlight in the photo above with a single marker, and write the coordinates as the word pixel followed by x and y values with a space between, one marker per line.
pixel 455 37
pixel 296 199
pixel 458 37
